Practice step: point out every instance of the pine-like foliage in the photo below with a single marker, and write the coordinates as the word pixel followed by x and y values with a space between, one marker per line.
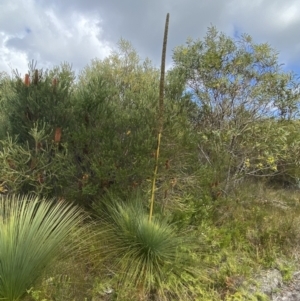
pixel 43 96
pixel 114 109
pixel 37 117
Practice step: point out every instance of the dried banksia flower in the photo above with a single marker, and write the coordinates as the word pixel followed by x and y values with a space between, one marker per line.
pixel 54 82
pixel 27 80
pixel 57 136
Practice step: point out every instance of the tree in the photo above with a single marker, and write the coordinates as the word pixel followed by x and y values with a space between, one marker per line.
pixel 116 111
pixel 37 118
pixel 236 84
pixel 44 97
pixel 4 89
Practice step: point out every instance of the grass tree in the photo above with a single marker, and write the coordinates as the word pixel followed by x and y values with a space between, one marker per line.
pixel 151 260
pixel 32 231
pixel 142 249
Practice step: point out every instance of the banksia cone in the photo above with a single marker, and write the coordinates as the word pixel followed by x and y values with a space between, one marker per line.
pixel 36 77
pixel 57 136
pixel 27 80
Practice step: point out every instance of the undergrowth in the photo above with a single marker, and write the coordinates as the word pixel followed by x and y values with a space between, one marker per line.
pixel 240 236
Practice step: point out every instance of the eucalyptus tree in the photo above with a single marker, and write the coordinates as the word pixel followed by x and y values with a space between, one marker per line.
pixel 235 84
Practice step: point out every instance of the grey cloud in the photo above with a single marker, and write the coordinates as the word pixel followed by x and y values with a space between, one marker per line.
pixel 142 23
pixel 17 43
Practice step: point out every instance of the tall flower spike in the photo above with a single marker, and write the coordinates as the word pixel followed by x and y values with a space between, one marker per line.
pixel 160 117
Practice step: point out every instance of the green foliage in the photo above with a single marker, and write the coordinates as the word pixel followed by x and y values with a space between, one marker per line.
pixel 4 89
pixel 237 86
pixel 60 287
pixel 115 116
pixel 45 99
pixel 230 139
pixel 114 137
pixel 37 117
pixel 148 257
pixel 246 296
pixel 259 223
pixel 72 276
pixel 32 233
pixel 44 170
pixel 270 150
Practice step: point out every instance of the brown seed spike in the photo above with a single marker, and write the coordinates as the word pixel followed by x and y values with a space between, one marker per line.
pixel 27 80
pixel 160 116
pixel 54 84
pixel 36 77
pixel 57 136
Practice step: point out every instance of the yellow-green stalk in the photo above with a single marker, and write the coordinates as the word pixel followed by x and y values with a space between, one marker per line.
pixel 160 114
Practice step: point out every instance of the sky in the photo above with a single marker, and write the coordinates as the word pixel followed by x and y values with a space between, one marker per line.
pixel 77 31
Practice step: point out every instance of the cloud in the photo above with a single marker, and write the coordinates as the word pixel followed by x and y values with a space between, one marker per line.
pixel 79 30
pixel 274 22
pixel 11 59
pixel 48 37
